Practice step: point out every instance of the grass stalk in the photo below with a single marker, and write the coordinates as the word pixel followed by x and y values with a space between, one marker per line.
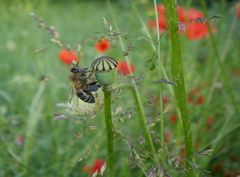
pixel 216 76
pixel 226 80
pixel 109 130
pixel 142 115
pixel 159 75
pixel 154 48
pixel 179 89
pixel 35 112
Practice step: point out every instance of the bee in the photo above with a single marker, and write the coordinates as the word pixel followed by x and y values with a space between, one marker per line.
pixel 83 83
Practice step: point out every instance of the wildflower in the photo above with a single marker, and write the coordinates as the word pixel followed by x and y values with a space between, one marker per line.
pixel 200 100
pixel 181 14
pixel 68 56
pixel 165 100
pixel 20 140
pixel 238 10
pixel 194 97
pixel 196 30
pixel 187 22
pixel 102 45
pixel 210 122
pixel 162 23
pixel 124 68
pixel 98 168
pixel 173 118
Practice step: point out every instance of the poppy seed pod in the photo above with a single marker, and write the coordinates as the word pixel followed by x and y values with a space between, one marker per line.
pixel 103 64
pixel 106 78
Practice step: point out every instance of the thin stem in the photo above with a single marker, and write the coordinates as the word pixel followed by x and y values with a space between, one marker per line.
pixel 164 73
pixel 179 89
pixel 216 77
pixel 159 75
pixel 226 80
pixel 142 116
pixel 109 130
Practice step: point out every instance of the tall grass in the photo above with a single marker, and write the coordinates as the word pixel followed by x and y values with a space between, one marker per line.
pixel 35 112
pixel 140 109
pixel 179 89
pixel 225 77
pixel 159 75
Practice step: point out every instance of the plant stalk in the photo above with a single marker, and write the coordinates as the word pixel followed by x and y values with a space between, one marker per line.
pixel 142 116
pixel 159 75
pixel 179 88
pixel 109 130
pixel 226 80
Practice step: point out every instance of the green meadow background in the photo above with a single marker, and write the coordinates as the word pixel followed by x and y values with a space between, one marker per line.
pixel 33 143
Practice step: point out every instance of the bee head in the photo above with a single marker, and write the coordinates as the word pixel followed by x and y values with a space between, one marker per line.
pixel 76 69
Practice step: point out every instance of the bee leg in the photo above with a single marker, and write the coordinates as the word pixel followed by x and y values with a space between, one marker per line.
pixel 90 75
pixel 72 94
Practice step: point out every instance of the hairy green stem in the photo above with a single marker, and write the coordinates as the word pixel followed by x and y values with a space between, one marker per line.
pixel 109 130
pixel 179 89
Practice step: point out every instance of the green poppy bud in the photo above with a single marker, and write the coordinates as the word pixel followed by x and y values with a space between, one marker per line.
pixel 106 78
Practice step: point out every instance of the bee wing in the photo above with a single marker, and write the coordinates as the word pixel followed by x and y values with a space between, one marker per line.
pixel 94 86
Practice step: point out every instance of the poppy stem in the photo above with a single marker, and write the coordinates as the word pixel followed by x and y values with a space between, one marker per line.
pixel 109 129
pixel 179 89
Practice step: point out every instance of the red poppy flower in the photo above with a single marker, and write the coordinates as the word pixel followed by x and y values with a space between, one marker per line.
pixel 173 118
pixel 68 56
pixel 210 122
pixel 162 23
pixel 196 30
pixel 200 100
pixel 193 31
pixel 181 14
pixel 102 45
pixel 165 100
pixel 98 168
pixel 195 97
pixel 124 68
pixel 238 10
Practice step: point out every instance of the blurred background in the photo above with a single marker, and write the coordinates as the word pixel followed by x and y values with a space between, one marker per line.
pixel 34 80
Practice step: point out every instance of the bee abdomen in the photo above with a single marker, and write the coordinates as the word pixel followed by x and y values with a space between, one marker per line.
pixel 85 96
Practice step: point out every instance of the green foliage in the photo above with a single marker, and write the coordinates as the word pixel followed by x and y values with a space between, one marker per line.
pixel 35 143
